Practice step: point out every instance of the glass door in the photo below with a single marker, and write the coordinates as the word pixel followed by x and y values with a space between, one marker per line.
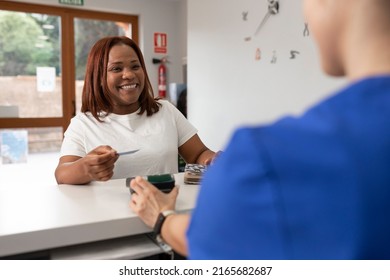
pixel 30 65
pixel 86 33
pixel 30 85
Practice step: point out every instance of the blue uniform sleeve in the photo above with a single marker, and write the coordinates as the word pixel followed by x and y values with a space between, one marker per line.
pixel 237 195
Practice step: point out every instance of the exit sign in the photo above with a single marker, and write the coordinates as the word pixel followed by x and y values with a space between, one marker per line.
pixel 72 2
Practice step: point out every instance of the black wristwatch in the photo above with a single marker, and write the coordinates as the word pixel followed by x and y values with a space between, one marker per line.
pixel 160 221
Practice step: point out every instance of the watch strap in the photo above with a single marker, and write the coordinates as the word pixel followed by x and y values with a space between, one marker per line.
pixel 160 221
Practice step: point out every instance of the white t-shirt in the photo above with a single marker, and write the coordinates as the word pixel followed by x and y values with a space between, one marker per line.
pixel 157 137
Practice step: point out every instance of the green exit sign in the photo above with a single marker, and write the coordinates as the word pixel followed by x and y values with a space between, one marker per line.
pixel 72 2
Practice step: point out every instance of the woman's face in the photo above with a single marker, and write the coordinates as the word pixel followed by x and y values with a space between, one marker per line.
pixel 125 79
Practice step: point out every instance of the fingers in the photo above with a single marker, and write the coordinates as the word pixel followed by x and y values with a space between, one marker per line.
pixel 133 204
pixel 99 163
pixel 107 159
pixel 147 201
pixel 211 160
pixel 135 186
pixel 174 192
pixel 99 172
pixel 144 191
pixel 104 174
pixel 208 161
pixel 102 154
pixel 142 185
pixel 104 149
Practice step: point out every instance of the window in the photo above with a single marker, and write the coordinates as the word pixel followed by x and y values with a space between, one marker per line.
pixel 93 29
pixel 43 51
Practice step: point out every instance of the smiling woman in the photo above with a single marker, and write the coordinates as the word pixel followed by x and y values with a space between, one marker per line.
pixel 125 79
pixel 119 113
pixel 115 62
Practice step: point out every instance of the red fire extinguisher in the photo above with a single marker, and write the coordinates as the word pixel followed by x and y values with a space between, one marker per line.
pixel 162 77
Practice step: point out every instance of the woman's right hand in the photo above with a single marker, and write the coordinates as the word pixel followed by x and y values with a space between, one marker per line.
pixel 99 163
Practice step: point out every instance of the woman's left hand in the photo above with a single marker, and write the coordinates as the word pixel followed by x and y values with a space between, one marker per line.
pixel 211 160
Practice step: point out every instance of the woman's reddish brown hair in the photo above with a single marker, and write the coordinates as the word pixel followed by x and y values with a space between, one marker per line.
pixel 96 95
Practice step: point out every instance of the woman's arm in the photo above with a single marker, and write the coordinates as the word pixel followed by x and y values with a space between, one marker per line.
pixel 96 165
pixel 194 151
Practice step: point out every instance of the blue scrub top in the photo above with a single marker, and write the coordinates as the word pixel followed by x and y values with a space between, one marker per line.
pixel 313 187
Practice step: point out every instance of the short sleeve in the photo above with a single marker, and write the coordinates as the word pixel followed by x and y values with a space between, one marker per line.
pixel 185 130
pixel 74 139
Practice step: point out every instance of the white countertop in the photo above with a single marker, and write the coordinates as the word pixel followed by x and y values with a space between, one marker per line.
pixel 45 217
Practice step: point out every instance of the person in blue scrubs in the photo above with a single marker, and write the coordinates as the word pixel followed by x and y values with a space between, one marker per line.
pixel 310 187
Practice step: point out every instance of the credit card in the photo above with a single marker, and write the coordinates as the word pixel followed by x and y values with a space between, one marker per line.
pixel 128 152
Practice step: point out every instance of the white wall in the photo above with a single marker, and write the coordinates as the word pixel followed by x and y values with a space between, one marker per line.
pixel 227 87
pixel 154 16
